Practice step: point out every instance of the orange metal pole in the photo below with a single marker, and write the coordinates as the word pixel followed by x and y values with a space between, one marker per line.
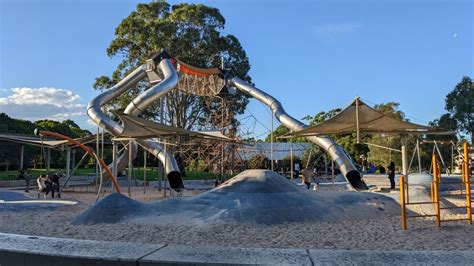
pixel 87 149
pixel 402 202
pixel 467 182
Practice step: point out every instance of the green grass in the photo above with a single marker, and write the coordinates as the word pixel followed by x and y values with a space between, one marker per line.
pixel 139 173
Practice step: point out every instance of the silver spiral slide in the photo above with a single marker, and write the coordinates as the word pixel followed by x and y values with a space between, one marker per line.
pixel 159 67
pixel 337 154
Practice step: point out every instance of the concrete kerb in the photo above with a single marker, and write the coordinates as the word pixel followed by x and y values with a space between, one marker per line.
pixel 33 250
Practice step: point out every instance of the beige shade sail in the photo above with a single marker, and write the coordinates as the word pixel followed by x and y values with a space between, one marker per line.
pixel 139 128
pixel 359 117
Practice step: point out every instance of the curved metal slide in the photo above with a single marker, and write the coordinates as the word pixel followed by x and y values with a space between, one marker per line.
pixel 337 154
pixel 158 69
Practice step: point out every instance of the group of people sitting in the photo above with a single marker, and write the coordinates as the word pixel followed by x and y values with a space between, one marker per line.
pixel 47 184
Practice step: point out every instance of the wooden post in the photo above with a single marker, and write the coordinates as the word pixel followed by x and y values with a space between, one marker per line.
pixel 402 202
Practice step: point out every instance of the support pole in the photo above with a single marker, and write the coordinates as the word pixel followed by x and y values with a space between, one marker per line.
pixel 144 170
pixel 291 160
pixel 68 161
pixel 22 155
pixel 48 160
pixel 271 142
pixel 130 167
pixel 436 188
pixel 357 119
pixel 405 162
pixel 402 202
pixel 114 159
pixel 419 157
pixel 166 183
pixel 467 182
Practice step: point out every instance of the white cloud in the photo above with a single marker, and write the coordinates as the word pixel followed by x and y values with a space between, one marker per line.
pixel 333 31
pixel 42 103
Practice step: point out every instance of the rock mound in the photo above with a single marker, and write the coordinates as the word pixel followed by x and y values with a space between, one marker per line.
pixel 252 197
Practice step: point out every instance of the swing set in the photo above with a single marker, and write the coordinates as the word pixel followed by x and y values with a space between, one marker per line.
pixel 435 195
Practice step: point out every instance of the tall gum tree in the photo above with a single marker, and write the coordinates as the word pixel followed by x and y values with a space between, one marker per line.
pixel 191 33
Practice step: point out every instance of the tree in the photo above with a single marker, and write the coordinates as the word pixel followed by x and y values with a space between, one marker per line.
pixel 460 104
pixel 192 33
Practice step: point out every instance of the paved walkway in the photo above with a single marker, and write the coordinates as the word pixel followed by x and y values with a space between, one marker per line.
pixel 32 250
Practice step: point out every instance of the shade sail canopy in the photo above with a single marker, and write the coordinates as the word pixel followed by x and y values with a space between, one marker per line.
pixel 46 142
pixel 139 128
pixel 360 117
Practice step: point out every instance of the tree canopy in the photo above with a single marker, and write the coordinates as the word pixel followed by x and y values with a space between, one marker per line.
pixel 194 34
pixel 460 104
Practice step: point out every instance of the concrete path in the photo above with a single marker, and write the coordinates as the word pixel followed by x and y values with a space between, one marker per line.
pixel 31 250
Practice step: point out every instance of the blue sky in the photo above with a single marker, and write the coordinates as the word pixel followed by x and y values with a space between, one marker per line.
pixel 311 55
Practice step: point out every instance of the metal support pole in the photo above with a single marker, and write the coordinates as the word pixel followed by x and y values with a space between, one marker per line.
pixel 114 159
pixel 48 160
pixel 291 160
pixel 419 157
pixel 166 183
pixel 130 168
pixel 326 172
pixel 271 142
pixel 357 119
pixel 405 161
pixel 22 154
pixel 68 161
pixel 144 170
pixel 436 189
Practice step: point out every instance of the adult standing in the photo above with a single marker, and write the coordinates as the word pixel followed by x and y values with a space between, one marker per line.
pixel 391 174
pixel 307 177
pixel 297 169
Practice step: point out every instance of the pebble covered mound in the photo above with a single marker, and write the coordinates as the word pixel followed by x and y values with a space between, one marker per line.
pixel 252 197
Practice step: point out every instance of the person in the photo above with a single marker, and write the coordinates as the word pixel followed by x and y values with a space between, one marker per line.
pixel 55 185
pixel 391 174
pixel 297 170
pixel 364 165
pixel 24 175
pixel 307 177
pixel 381 169
pixel 43 186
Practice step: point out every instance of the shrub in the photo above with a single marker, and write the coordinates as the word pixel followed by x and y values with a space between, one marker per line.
pixel 258 161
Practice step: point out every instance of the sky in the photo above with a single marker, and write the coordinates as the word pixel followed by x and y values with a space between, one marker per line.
pixel 311 55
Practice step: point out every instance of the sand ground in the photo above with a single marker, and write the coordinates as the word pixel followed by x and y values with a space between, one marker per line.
pixel 383 233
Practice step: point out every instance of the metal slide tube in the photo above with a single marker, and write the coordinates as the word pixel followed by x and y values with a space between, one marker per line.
pixel 148 97
pixel 95 113
pixel 138 104
pixel 335 151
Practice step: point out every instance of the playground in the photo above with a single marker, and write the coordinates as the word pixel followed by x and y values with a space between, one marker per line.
pixel 174 166
pixel 349 209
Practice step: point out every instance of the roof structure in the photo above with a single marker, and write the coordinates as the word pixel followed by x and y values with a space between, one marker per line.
pixel 359 117
pixel 37 141
pixel 139 128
